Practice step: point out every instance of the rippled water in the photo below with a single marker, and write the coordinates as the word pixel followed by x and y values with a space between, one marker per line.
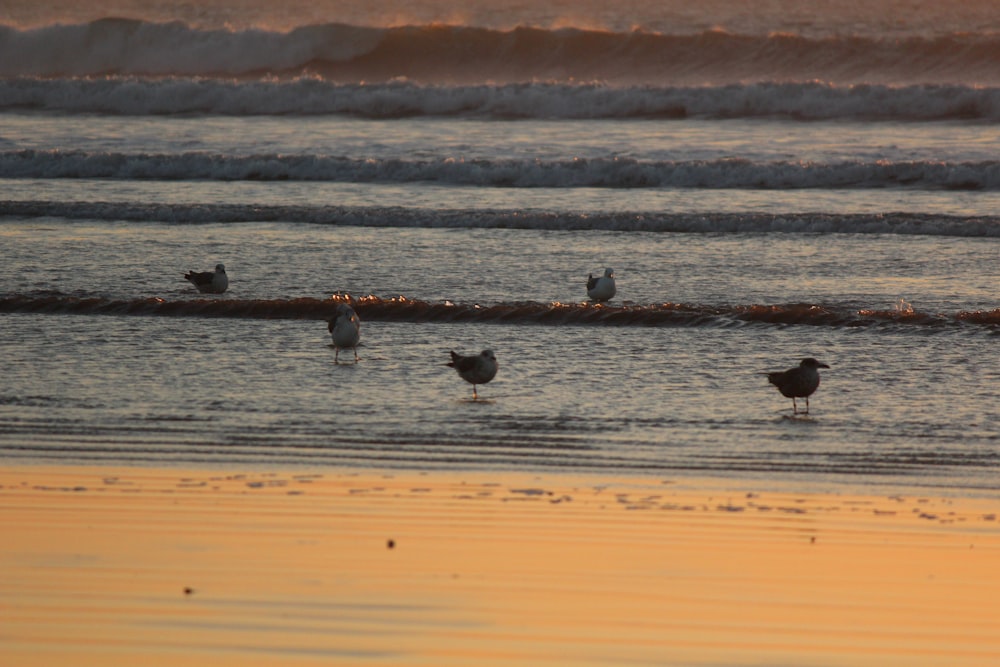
pixel 270 261
pixel 907 401
pixel 669 400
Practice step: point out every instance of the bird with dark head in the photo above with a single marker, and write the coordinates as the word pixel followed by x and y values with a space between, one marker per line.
pixel 475 369
pixel 798 382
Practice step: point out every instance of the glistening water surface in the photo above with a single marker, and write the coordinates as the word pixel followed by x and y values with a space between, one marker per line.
pixel 905 402
pixel 614 399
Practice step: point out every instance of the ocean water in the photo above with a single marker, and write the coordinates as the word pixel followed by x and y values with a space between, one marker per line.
pixel 802 179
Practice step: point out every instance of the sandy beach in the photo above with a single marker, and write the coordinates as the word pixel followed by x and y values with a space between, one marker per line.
pixel 125 566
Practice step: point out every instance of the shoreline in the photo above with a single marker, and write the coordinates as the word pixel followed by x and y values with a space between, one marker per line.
pixel 111 565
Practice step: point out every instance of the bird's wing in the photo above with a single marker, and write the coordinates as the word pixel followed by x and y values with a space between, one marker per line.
pixel 777 378
pixel 199 277
pixel 462 364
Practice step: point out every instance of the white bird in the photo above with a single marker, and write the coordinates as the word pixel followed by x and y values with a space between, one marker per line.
pixel 477 369
pixel 603 288
pixel 345 329
pixel 798 382
pixel 210 282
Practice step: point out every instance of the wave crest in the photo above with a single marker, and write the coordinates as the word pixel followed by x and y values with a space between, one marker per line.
pixel 693 223
pixel 462 54
pixel 615 172
pixel 402 309
pixel 129 95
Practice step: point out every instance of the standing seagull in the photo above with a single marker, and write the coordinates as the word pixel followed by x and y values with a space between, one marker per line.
pixel 798 382
pixel 478 369
pixel 603 288
pixel 210 282
pixel 345 328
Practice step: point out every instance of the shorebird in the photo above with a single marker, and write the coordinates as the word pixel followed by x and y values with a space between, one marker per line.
pixel 345 329
pixel 798 382
pixel 210 282
pixel 603 288
pixel 477 369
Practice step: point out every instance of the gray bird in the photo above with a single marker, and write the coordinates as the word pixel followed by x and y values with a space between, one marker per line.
pixel 602 288
pixel 477 369
pixel 345 329
pixel 210 282
pixel 798 382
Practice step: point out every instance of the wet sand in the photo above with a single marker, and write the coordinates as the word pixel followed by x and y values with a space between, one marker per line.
pixel 126 566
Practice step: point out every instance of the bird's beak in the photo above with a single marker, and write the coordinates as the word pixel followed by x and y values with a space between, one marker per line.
pixel 822 366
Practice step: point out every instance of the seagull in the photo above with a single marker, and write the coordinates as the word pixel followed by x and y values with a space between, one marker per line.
pixel 477 369
pixel 603 288
pixel 345 328
pixel 210 282
pixel 798 382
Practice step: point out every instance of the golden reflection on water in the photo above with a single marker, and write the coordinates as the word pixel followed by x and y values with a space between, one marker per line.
pixel 167 567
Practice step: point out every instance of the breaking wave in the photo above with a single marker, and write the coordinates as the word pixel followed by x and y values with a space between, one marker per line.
pixel 458 54
pixel 611 172
pixel 129 95
pixel 402 309
pixel 399 217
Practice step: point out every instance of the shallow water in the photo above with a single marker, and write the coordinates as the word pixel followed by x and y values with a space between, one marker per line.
pixel 904 403
pixel 489 266
pixel 113 358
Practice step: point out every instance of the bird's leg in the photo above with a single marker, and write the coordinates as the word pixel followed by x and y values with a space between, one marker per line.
pixel 336 357
pixel 795 407
pixel 355 355
pixel 475 396
pixel 807 405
